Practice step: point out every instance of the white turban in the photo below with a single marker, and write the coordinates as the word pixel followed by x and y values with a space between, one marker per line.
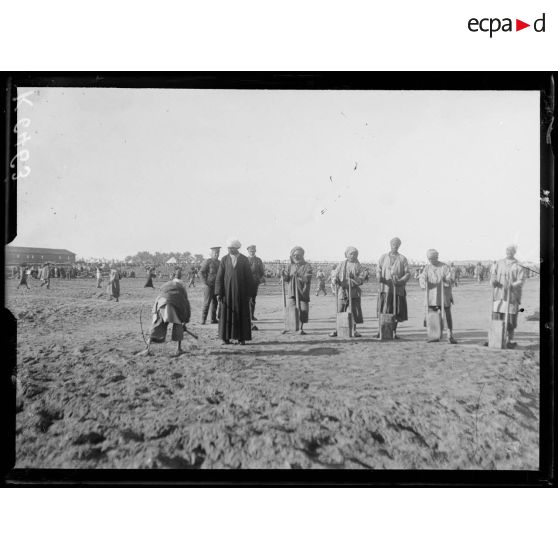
pixel 233 243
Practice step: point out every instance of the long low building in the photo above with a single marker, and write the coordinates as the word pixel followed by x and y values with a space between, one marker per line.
pixel 18 255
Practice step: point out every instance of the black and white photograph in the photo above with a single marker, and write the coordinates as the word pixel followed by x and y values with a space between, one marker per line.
pixel 276 278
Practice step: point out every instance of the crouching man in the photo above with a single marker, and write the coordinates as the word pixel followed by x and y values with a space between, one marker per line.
pixel 171 307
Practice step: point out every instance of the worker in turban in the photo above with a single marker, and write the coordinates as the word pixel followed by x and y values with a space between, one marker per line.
pixel 299 277
pixel 393 274
pixel 349 276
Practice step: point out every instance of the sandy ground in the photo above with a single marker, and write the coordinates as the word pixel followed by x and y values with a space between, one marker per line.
pixel 282 401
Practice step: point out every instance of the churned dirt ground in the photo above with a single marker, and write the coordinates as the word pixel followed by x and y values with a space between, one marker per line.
pixel 282 401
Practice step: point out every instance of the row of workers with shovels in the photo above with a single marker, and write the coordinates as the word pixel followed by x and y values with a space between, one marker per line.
pixel 507 277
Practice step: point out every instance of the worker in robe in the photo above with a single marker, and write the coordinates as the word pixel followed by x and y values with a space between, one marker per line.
pixel 23 276
pixel 507 276
pixel 393 273
pixel 234 286
pixel 321 278
pixel 258 275
pixel 208 274
pixel 479 272
pixel 171 307
pixel 113 287
pixel 453 274
pixel 349 273
pixel 299 277
pixel 150 276
pixel 434 277
pixel 99 275
pixel 44 275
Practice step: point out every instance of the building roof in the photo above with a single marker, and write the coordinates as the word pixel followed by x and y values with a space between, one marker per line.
pixel 29 250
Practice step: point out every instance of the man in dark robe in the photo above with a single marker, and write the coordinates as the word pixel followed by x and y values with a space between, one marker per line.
pixel 150 275
pixel 234 286
pixel 23 277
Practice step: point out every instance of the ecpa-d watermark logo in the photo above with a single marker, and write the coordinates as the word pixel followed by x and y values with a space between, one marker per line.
pixel 493 25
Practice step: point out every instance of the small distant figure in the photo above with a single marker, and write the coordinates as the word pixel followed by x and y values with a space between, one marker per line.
pixel 45 276
pixel 332 280
pixel 320 276
pixel 99 277
pixel 479 272
pixel 150 276
pixel 113 288
pixel 192 277
pixel 454 274
pixel 23 276
pixel 171 307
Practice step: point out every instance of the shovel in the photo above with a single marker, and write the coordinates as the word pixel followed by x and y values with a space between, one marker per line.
pixel 345 319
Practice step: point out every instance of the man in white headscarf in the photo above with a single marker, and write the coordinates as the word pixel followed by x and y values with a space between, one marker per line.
pixel 349 272
pixel 299 278
pixel 436 276
pixel 393 273
pixel 234 287
pixel 507 275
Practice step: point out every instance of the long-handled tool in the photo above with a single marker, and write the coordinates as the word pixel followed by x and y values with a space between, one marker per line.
pixel 497 331
pixel 443 320
pixel 345 319
pixel 434 326
pixel 186 330
pixel 425 324
pixel 386 320
pixel 507 315
pixel 292 313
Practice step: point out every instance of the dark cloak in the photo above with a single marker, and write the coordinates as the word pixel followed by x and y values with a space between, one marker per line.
pixel 176 295
pixel 236 286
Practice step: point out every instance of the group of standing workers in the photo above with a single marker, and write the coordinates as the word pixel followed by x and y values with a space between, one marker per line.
pixel 231 286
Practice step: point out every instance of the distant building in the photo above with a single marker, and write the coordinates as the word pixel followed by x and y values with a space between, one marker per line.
pixel 17 255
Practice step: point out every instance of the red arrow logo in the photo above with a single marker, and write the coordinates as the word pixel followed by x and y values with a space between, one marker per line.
pixel 519 25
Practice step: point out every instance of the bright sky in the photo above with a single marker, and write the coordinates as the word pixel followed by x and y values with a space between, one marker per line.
pixel 116 171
